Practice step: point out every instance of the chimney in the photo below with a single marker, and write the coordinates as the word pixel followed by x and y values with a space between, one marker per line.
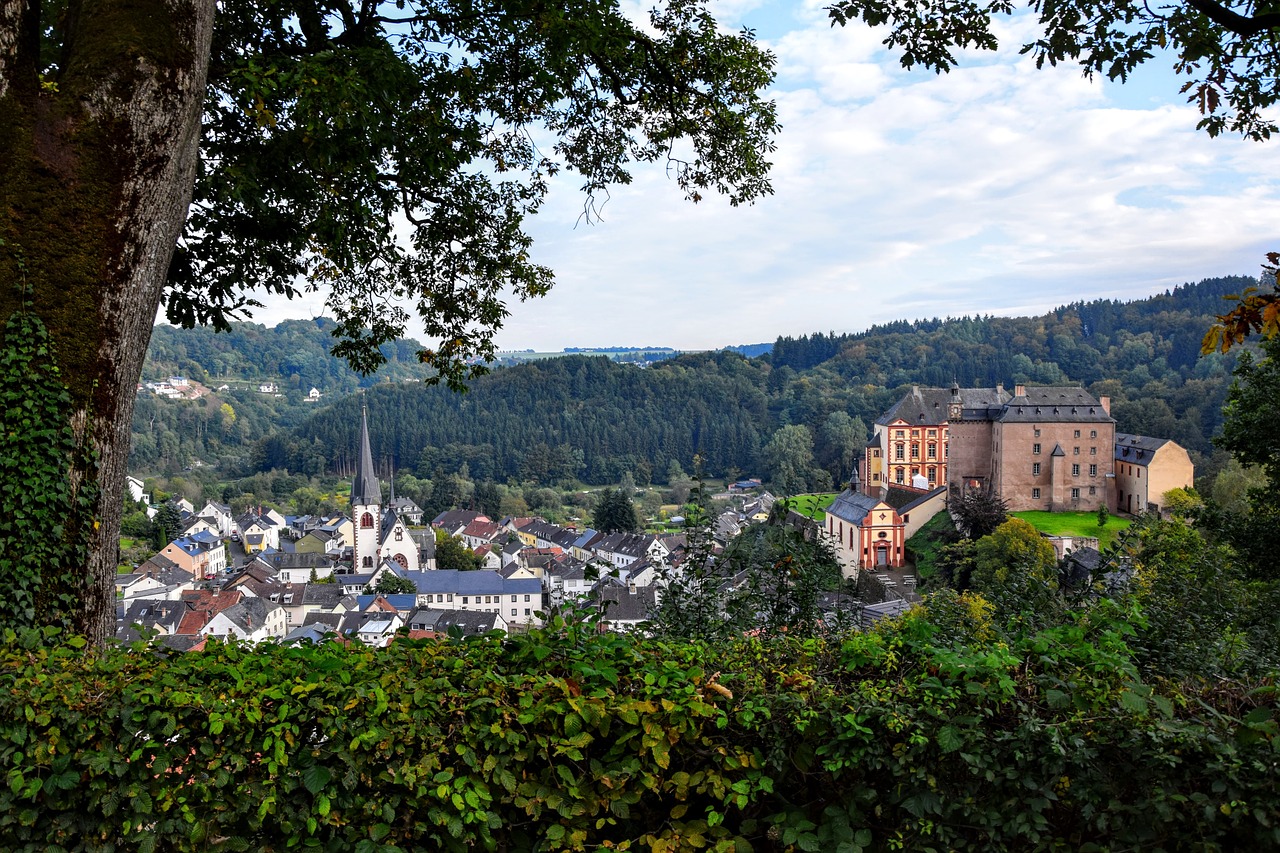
pixel 1019 390
pixel 1105 402
pixel 999 389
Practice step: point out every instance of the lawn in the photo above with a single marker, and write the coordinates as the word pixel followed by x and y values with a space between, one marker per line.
pixel 1074 524
pixel 812 506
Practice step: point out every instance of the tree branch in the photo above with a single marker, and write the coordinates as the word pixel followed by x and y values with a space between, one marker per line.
pixel 1245 27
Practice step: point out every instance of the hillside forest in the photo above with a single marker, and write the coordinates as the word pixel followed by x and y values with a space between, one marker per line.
pixel 796 416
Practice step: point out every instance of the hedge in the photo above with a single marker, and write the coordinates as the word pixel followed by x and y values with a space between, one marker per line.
pixel 922 736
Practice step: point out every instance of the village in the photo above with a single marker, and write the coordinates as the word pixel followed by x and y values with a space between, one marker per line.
pixel 371 574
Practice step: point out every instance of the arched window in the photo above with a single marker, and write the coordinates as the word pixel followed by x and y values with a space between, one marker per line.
pixel 368 562
pixel 402 560
pixel 366 520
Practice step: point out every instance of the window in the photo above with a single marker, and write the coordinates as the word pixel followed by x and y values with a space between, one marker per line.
pixel 450 596
pixel 1093 490
pixel 464 599
pixel 933 475
pixel 526 611
pixel 1035 469
pixel 513 611
pixel 1075 494
pixel 399 534
pixel 1075 451
pixel 1035 494
pixel 366 520
pixel 933 451
pixel 1093 451
pixel 915 451
pixel 513 599
pixel 526 598
pixel 1077 434
pixel 367 562
pixel 1093 470
pixel 900 434
pixel 875 453
pixel 898 475
pixel 900 452
pixel 1037 432
pixel 1093 433
pixel 1035 448
pixel 1075 470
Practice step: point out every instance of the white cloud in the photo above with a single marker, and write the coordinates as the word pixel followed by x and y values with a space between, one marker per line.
pixel 997 188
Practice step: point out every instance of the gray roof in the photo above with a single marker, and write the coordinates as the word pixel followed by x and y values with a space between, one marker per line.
pixel 930 406
pixel 481 582
pixel 1054 404
pixel 623 604
pixel 1137 449
pixel 326 595
pixel 851 506
pixel 249 614
pixel 365 488
pixel 440 621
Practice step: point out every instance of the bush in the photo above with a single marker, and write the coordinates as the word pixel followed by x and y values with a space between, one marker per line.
pixel 921 735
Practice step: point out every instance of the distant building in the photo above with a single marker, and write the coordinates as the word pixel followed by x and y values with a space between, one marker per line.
pixel 1146 468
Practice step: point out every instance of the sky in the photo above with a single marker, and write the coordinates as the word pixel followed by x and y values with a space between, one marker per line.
pixel 994 189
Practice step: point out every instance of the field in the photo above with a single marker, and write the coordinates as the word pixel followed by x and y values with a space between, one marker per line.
pixel 1074 524
pixel 812 506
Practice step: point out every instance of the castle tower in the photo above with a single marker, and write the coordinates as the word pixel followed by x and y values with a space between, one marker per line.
pixel 366 505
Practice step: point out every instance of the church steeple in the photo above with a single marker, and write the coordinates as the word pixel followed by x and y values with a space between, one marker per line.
pixel 365 489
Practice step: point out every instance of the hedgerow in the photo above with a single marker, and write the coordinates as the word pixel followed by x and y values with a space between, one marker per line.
pixel 931 734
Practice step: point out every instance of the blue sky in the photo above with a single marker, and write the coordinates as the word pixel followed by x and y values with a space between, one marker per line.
pixel 997 188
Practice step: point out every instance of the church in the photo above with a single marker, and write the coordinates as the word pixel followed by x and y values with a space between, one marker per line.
pixel 379 532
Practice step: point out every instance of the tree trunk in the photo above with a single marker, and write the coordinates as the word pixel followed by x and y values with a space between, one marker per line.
pixel 97 166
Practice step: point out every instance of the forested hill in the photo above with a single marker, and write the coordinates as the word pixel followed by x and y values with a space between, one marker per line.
pixel 586 418
pixel 294 353
pixel 577 417
pixel 1077 342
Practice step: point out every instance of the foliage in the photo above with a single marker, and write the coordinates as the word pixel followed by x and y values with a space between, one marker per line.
pixel 166 525
pixel 387 152
pixel 453 553
pixel 928 734
pixel 44 504
pixel 615 513
pixel 1225 50
pixel 1255 311
pixel 788 459
pixel 778 571
pixel 391 584
pixel 978 513
pixel 1181 502
pixel 1103 515
pixel 1250 434
pixel 1014 549
pixel 922 549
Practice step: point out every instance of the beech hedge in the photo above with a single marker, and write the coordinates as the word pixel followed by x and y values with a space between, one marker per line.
pixel 930 734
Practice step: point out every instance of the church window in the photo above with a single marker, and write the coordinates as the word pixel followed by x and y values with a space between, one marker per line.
pixel 367 562
pixel 399 534
pixel 366 520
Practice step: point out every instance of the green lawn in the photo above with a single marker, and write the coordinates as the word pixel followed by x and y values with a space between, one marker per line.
pixel 812 506
pixel 1074 524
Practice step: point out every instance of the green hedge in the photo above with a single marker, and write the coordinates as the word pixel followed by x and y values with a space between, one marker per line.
pixel 926 736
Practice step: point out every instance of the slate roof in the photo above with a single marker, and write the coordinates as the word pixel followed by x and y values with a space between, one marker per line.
pixel 469 621
pixel 851 506
pixel 296 560
pixel 1054 404
pixel 482 582
pixel 930 406
pixel 456 519
pixel 401 602
pixel 623 604
pixel 250 614
pixel 1137 449
pixel 365 488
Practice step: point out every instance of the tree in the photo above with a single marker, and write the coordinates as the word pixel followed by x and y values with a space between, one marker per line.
pixel 789 458
pixel 615 513
pixel 383 151
pixel 1015 548
pixel 391 584
pixel 978 513
pixel 453 553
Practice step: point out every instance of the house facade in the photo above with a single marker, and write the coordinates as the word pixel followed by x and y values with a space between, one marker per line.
pixel 1146 468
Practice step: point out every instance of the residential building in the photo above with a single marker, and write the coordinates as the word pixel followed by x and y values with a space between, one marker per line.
pixel 1145 469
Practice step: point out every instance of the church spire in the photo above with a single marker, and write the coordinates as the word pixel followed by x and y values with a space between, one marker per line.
pixel 365 490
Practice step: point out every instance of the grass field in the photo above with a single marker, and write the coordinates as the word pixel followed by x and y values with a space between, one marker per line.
pixel 1074 524
pixel 812 506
